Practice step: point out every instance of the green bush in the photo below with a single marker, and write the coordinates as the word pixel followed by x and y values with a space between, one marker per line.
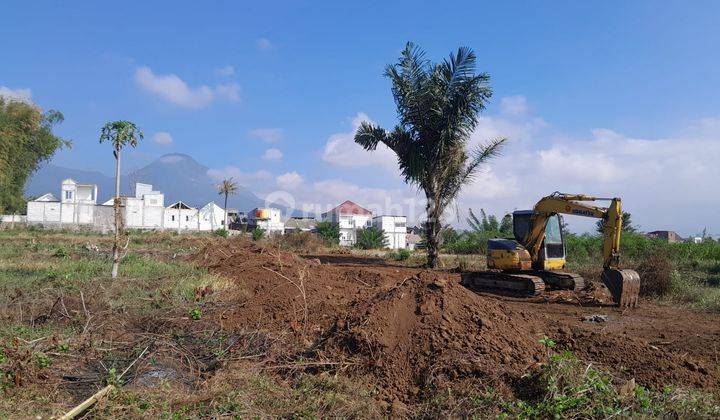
pixel 329 232
pixel 257 234
pixel 400 255
pixel 371 238
pixel 221 233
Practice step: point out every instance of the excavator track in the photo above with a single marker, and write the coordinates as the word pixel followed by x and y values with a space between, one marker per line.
pixel 561 280
pixel 524 284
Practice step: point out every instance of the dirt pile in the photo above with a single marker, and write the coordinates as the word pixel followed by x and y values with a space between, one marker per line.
pixel 407 331
pixel 428 329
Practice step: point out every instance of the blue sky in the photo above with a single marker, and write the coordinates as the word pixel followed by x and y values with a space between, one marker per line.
pixel 606 97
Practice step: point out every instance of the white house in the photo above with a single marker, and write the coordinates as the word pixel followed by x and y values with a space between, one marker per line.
pixel 395 230
pixel 180 216
pixel 76 205
pixel 350 217
pixel 267 219
pixel 211 217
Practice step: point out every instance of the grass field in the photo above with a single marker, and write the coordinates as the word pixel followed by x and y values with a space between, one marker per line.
pixel 67 329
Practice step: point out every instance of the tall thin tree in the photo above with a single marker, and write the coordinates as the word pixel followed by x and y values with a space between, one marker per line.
pixel 119 134
pixel 227 187
pixel 438 107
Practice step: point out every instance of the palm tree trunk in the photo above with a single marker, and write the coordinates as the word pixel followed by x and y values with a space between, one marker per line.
pixel 225 225
pixel 118 217
pixel 432 232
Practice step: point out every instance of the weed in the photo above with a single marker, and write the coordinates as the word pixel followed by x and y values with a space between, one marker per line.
pixel 400 255
pixel 195 313
pixel 63 348
pixel 221 233
pixel 61 252
pixel 112 378
pixel 42 360
pixel 257 234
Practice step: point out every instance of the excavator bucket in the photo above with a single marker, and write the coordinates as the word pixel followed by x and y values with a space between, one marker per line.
pixel 624 286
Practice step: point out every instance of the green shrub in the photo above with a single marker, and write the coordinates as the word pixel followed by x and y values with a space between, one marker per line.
pixel 195 313
pixel 257 234
pixel 329 232
pixel 61 252
pixel 400 255
pixel 371 238
pixel 221 233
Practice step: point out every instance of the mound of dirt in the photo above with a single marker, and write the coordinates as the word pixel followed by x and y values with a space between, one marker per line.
pixel 428 329
pixel 405 331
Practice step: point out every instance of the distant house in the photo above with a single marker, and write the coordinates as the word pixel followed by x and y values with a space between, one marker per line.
pixel 412 241
pixel 300 224
pixel 350 217
pixel 665 235
pixel 267 219
pixel 395 230
pixel 76 205
pixel 211 217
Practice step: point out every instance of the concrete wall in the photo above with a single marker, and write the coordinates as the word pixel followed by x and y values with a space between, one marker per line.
pixel 395 230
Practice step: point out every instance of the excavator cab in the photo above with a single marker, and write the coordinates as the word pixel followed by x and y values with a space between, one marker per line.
pixel 552 252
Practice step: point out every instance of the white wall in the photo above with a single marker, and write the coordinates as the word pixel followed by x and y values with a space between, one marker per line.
pixel 271 224
pixel 211 217
pixel 395 230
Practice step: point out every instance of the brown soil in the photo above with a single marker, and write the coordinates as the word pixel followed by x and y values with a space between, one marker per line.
pixel 405 330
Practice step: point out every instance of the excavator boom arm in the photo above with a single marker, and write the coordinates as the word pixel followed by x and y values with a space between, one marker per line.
pixel 576 204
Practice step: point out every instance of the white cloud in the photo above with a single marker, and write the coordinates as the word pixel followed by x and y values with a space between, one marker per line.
pixel 513 105
pixel 273 154
pixel 268 135
pixel 228 91
pixel 243 178
pixel 23 95
pixel 173 89
pixel 289 180
pixel 648 174
pixel 225 71
pixel 265 44
pixel 162 138
pixel 342 151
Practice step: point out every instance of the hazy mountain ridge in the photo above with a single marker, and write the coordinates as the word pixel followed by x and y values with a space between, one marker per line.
pixel 178 176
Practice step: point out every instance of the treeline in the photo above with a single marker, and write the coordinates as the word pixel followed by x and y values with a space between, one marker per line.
pixel 474 240
pixel 26 140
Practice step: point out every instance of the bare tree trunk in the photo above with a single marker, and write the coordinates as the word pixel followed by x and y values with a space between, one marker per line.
pixel 432 232
pixel 225 225
pixel 118 217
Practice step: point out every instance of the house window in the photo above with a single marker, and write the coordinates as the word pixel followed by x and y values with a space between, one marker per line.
pixel 68 195
pixel 153 202
pixel 172 217
pixel 399 224
pixel 187 218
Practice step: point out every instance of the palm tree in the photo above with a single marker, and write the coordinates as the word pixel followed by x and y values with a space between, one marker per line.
pixel 437 105
pixel 227 187
pixel 119 134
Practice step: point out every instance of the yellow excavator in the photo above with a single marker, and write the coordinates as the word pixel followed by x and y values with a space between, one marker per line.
pixel 536 256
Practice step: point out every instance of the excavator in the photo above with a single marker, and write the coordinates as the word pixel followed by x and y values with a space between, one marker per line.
pixel 535 258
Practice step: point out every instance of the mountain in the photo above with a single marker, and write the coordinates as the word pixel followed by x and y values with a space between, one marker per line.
pixel 178 176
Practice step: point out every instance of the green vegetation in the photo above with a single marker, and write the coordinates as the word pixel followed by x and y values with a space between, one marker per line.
pixel 568 388
pixel 257 234
pixel 400 255
pixel 26 141
pixel 223 233
pixel 38 269
pixel 329 232
pixel 438 107
pixel 371 238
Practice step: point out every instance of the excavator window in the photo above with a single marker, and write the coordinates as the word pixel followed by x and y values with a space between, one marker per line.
pixel 554 247
pixel 552 231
